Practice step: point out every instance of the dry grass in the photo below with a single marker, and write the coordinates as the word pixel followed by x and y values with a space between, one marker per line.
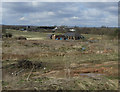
pixel 60 57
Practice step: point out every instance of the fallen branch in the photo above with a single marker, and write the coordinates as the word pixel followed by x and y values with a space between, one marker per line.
pixel 30 73
pixel 19 72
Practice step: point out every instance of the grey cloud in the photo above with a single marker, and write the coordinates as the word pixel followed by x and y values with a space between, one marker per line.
pixel 53 13
pixel 111 7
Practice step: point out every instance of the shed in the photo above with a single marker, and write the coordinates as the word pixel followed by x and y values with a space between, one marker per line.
pixel 60 37
pixel 73 35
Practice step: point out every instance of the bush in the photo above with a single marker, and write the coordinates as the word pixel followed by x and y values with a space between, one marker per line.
pixel 21 38
pixel 115 34
pixel 26 64
pixel 7 35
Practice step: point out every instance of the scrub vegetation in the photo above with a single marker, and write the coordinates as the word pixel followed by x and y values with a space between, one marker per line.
pixel 40 63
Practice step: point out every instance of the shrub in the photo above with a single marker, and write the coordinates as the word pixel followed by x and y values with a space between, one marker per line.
pixel 7 35
pixel 21 38
pixel 26 64
pixel 115 34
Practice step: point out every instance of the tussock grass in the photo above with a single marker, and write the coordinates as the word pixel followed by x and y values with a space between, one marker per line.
pixel 55 55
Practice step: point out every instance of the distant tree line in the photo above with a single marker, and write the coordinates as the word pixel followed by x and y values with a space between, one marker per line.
pixel 95 30
pixel 62 29
pixel 15 27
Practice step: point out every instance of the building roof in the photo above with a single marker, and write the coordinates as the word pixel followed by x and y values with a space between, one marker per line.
pixel 60 35
pixel 72 30
pixel 72 34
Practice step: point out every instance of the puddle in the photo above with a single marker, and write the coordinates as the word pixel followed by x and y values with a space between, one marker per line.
pixel 91 74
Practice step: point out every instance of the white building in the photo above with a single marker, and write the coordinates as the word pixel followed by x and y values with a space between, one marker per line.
pixel 72 30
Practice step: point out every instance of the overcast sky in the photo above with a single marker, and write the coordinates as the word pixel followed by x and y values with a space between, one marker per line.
pixel 85 14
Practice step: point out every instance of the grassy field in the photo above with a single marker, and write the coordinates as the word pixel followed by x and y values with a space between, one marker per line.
pixel 90 64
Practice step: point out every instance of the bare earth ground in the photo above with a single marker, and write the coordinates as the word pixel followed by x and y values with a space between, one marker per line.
pixel 64 65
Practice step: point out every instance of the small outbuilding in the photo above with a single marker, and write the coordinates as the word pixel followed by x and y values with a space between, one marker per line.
pixel 73 35
pixel 60 37
pixel 57 37
pixel 72 30
pixel 67 36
